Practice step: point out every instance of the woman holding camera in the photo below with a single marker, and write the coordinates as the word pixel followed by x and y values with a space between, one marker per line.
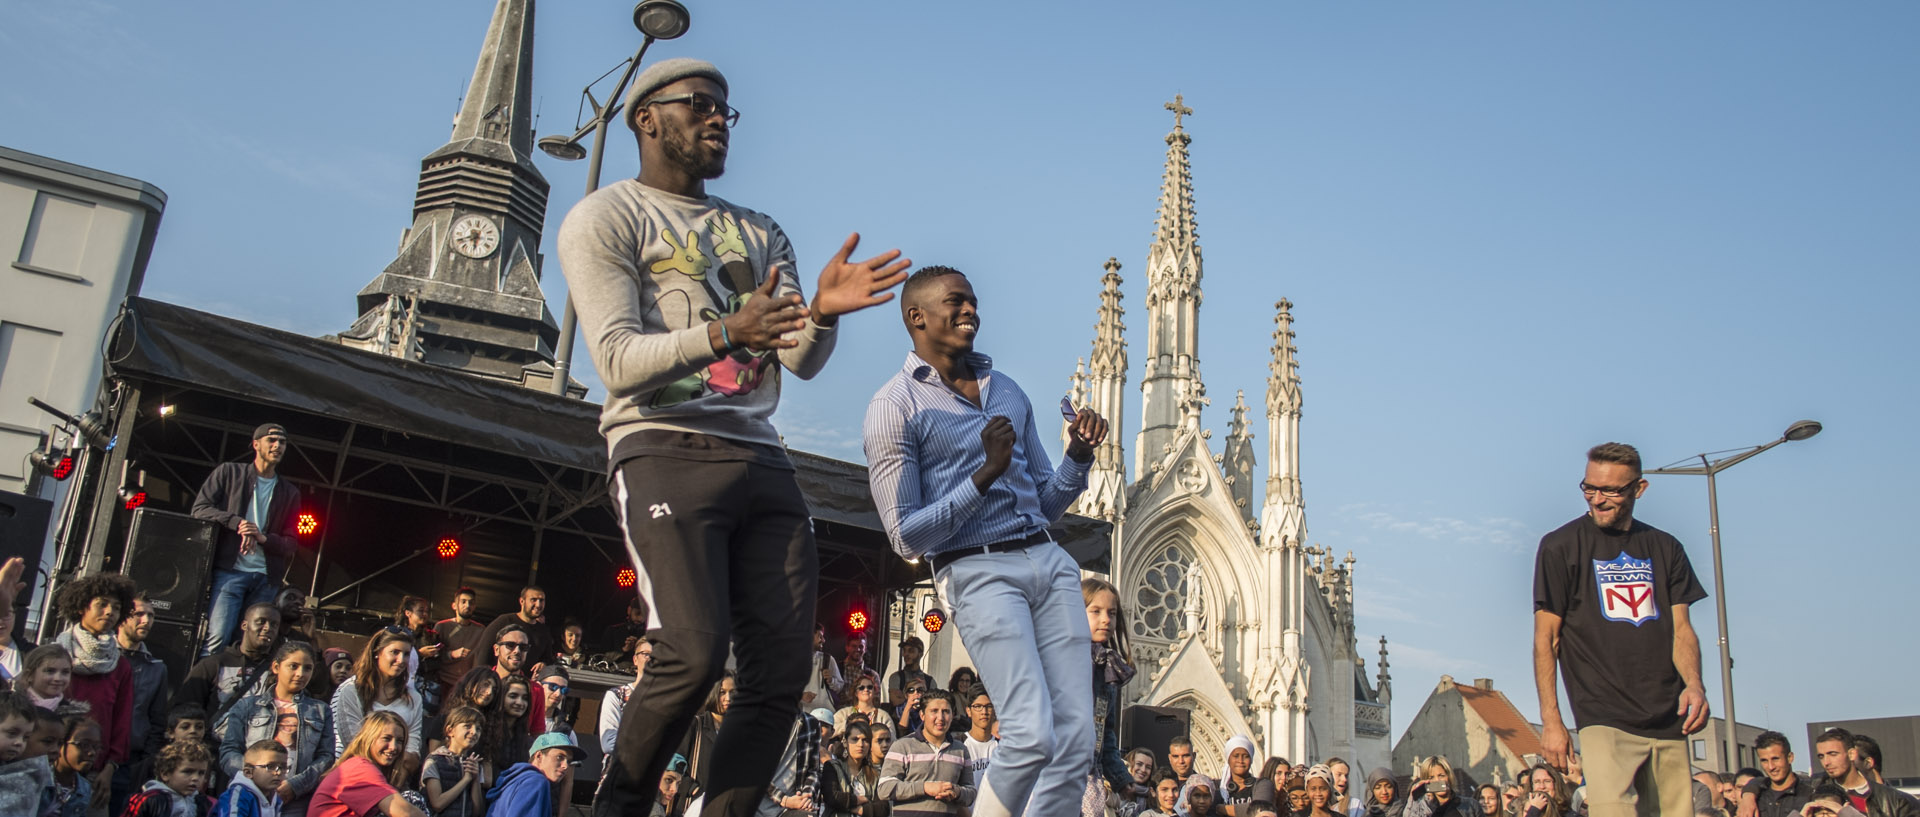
pixel 1441 792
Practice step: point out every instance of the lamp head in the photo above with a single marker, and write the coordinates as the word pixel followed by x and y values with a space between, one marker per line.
pixel 661 19
pixel 563 148
pixel 1802 430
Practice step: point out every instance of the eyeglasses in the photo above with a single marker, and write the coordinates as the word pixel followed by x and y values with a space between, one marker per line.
pixel 515 646
pixel 703 106
pixel 560 689
pixel 1610 493
pixel 272 767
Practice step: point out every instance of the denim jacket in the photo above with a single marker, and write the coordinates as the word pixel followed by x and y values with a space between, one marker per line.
pixel 254 718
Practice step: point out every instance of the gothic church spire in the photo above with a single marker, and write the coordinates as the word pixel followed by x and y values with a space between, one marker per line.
pixel 1106 383
pixel 1283 518
pixel 1172 393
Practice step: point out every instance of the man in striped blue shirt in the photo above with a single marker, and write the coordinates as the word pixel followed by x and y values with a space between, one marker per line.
pixel 960 479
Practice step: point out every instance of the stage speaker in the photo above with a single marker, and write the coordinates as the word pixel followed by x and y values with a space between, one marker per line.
pixel 23 533
pixel 177 643
pixel 1154 727
pixel 170 555
pixel 23 528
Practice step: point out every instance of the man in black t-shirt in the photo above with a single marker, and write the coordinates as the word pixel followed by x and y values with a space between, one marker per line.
pixel 1610 601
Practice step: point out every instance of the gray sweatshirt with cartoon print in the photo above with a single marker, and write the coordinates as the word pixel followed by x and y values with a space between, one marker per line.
pixel 648 271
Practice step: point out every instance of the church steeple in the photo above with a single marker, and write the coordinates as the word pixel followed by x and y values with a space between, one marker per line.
pixel 1283 519
pixel 1172 393
pixel 1105 387
pixel 464 290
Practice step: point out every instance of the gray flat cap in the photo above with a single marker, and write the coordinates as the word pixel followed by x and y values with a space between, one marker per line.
pixel 666 72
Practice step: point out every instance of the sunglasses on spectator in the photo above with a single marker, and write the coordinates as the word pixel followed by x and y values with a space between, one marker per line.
pixel 514 645
pixel 559 688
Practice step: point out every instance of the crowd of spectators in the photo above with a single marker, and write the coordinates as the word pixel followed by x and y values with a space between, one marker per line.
pixel 456 718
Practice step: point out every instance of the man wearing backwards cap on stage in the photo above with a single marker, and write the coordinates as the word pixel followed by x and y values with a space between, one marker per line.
pixel 691 305
pixel 255 510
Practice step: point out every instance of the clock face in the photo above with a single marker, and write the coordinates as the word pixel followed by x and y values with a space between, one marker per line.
pixel 475 236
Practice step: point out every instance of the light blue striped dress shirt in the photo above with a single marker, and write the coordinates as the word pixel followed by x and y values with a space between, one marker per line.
pixel 923 445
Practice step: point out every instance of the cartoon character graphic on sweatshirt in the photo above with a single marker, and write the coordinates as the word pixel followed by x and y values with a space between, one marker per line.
pixel 740 371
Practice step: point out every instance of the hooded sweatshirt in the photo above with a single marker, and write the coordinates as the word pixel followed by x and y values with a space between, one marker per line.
pixel 244 799
pixel 1368 803
pixel 156 799
pixel 522 791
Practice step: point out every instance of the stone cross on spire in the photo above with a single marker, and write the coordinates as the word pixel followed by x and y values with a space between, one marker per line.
pixel 1179 109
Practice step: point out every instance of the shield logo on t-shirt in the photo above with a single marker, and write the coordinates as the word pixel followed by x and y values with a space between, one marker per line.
pixel 1626 589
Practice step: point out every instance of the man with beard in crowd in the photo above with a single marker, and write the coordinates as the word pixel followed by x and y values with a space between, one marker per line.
pixel 147 731
pixel 1871 797
pixel 531 618
pixel 462 636
pixel 239 670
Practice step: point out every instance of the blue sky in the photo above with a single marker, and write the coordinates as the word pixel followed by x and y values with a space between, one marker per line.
pixel 1510 231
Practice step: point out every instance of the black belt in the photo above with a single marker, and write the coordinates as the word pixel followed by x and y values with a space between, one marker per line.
pixel 947 557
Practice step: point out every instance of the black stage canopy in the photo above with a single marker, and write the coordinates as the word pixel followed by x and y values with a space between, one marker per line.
pixel 517 467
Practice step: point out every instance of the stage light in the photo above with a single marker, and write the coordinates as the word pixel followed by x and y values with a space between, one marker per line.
pixel 56 464
pixel 306 523
pixel 164 410
pixel 626 577
pixel 133 497
pixel 449 547
pixel 934 621
pixel 857 621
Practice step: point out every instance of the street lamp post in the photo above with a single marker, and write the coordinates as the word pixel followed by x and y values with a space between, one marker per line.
pixel 658 20
pixel 1710 468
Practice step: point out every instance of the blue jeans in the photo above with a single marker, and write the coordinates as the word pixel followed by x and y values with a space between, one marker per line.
pixel 233 592
pixel 1022 620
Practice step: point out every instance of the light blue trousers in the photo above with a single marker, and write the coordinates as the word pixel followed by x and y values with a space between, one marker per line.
pixel 1022 620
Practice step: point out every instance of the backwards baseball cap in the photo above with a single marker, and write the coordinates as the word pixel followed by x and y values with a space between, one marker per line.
pixel 667 72
pixel 268 429
pixel 555 740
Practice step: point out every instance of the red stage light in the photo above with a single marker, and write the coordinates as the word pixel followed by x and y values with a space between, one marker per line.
pixel 934 621
pixel 626 577
pixel 306 523
pixel 857 621
pixel 449 547
pixel 56 465
pixel 135 499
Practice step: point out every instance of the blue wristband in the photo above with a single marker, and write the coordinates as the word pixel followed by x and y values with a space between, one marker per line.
pixel 724 340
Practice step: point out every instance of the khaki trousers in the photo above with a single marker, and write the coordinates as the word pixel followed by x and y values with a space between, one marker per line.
pixel 1631 776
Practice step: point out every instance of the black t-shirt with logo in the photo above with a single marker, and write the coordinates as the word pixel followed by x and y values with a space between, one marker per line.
pixel 1614 592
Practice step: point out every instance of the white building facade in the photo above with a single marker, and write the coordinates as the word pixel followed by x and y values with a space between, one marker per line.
pixel 1233 615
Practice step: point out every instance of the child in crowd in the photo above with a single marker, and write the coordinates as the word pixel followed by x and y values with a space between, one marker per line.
pixel 186 724
pixel 26 783
pixel 286 715
pixel 48 730
pixel 457 774
pixel 179 772
pixel 254 792
pixel 526 789
pixel 44 676
pixel 1166 795
pixel 78 745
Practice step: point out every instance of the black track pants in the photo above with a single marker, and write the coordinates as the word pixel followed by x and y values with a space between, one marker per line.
pixel 723 550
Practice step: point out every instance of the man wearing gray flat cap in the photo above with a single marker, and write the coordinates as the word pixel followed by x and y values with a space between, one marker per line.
pixel 691 307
